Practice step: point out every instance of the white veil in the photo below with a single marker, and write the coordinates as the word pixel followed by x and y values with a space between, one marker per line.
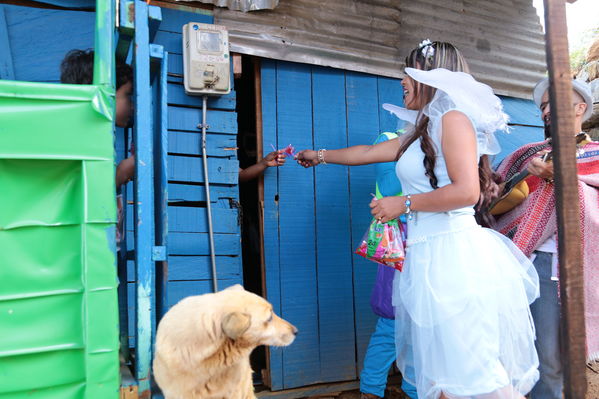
pixel 458 91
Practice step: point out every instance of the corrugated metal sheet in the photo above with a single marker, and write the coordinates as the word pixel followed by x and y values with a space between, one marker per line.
pixel 240 5
pixel 502 39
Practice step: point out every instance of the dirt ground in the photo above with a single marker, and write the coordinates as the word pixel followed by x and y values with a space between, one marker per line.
pixel 593 381
pixel 394 392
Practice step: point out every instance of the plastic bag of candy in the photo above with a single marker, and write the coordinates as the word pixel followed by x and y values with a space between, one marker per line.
pixel 384 243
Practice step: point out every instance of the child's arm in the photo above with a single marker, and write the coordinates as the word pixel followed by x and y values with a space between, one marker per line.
pixel 125 171
pixel 275 158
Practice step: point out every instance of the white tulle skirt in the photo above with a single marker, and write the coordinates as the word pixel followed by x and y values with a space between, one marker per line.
pixel 463 322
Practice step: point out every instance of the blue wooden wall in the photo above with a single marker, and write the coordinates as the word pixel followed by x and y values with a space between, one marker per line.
pixel 189 256
pixel 33 41
pixel 314 218
pixel 189 268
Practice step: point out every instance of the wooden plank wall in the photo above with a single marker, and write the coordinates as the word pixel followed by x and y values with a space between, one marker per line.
pixel 189 269
pixel 272 229
pixel 7 69
pixel 364 124
pixel 314 218
pixel 38 39
pixel 333 235
pixel 297 225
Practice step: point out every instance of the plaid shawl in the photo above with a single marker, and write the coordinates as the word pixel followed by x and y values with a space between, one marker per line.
pixel 531 223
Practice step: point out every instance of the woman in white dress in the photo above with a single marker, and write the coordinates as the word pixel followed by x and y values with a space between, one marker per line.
pixel 462 300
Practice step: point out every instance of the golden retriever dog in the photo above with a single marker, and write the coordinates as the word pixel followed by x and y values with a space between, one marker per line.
pixel 203 344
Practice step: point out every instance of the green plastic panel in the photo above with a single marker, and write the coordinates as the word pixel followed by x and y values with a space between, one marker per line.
pixel 58 299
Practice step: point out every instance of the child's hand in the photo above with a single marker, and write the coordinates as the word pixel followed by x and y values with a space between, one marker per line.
pixel 275 158
pixel 307 158
pixel 125 171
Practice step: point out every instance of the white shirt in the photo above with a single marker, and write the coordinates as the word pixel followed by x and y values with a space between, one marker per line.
pixel 550 246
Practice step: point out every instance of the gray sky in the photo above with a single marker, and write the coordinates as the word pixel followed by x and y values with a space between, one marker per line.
pixel 582 15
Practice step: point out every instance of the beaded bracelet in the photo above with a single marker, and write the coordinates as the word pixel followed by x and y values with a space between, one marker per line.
pixel 320 156
pixel 408 204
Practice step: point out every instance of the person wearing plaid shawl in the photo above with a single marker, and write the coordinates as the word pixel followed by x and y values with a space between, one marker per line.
pixel 532 226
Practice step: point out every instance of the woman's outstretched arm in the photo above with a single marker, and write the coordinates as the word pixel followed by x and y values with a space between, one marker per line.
pixel 356 155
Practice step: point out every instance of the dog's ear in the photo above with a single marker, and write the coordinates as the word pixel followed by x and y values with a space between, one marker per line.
pixel 236 287
pixel 235 324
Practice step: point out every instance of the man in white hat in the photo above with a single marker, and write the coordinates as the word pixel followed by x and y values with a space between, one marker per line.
pixel 532 226
pixel 581 96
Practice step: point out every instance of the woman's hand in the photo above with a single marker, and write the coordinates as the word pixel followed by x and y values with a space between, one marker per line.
pixel 307 158
pixel 275 158
pixel 387 208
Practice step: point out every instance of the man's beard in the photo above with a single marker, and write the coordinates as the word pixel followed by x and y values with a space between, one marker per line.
pixel 547 130
pixel 547 126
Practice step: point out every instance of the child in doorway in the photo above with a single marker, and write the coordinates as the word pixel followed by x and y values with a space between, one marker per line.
pixel 77 67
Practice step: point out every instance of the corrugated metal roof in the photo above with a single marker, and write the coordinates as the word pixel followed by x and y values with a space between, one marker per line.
pixel 240 5
pixel 501 39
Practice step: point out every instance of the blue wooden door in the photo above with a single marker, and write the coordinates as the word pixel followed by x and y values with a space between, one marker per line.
pixel 313 218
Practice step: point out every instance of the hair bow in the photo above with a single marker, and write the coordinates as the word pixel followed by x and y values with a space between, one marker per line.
pixel 427 49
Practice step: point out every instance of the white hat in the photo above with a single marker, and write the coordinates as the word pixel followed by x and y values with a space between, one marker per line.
pixel 458 91
pixel 581 88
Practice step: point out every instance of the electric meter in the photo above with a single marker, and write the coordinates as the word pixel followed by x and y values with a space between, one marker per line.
pixel 206 69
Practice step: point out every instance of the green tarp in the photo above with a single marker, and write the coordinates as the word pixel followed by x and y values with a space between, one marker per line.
pixel 58 300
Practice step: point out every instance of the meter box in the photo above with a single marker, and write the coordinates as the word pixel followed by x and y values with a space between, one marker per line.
pixel 206 59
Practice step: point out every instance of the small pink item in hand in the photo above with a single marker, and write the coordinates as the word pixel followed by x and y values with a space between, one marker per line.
pixel 288 151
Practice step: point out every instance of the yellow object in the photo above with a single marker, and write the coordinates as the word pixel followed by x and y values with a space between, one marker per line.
pixel 512 200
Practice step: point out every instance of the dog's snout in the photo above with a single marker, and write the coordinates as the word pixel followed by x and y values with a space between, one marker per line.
pixel 295 331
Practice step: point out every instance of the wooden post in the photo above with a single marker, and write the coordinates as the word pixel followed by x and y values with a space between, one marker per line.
pixel 237 68
pixel 567 204
pixel 259 150
pixel 143 195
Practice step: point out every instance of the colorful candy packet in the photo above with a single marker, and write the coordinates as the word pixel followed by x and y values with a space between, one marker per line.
pixel 384 243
